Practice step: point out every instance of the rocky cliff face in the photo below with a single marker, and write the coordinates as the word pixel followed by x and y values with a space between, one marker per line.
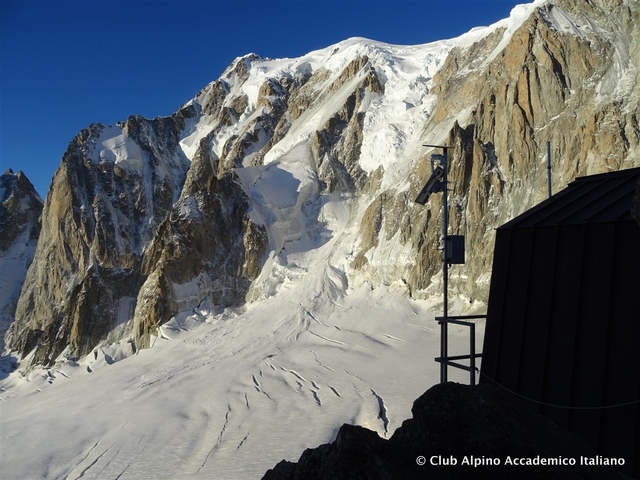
pixel 206 249
pixel 207 206
pixel 20 209
pixel 97 266
pixel 114 185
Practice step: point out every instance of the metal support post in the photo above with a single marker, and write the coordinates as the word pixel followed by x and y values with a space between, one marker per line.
pixel 444 335
pixel 452 252
pixel 549 168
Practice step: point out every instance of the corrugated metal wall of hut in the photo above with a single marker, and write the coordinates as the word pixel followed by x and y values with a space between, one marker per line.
pixel 563 323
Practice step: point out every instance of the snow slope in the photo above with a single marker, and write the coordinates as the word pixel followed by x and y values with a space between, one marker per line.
pixel 15 260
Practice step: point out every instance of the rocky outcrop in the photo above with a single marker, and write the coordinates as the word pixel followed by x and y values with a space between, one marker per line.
pixel 450 423
pixel 336 146
pixel 206 249
pixel 113 188
pixel 20 210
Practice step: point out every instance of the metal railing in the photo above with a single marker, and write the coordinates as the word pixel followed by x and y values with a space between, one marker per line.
pixel 445 360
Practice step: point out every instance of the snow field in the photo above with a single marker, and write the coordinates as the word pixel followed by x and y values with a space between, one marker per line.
pixel 227 395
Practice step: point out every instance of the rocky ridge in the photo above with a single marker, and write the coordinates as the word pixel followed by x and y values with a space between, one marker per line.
pixel 20 209
pixel 152 217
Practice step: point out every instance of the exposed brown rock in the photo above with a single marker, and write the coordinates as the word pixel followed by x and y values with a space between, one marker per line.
pixel 208 237
pixel 336 147
pixel 95 225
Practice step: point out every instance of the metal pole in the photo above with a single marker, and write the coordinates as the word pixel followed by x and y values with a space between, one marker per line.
pixel 445 268
pixel 472 356
pixel 445 278
pixel 549 167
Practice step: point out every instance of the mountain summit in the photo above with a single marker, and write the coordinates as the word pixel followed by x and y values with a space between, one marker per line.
pixel 276 211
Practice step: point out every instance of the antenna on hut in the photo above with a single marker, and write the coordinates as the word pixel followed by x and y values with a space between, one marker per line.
pixel 453 253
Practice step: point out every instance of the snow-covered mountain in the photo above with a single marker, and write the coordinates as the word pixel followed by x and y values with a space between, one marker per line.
pixel 264 241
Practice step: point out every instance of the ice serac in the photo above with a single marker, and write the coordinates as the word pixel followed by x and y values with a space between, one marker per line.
pixel 20 209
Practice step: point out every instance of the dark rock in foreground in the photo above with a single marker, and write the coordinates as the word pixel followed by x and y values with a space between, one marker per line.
pixel 453 427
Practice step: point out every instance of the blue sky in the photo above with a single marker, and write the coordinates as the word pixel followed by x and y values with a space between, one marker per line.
pixel 66 64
